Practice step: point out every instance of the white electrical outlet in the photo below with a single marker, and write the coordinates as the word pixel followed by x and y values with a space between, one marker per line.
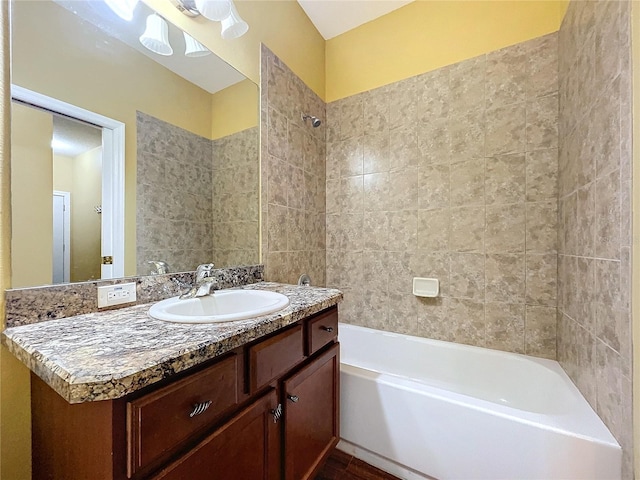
pixel 116 294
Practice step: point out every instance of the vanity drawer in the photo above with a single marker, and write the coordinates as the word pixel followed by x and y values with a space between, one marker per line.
pixel 274 356
pixel 322 330
pixel 160 420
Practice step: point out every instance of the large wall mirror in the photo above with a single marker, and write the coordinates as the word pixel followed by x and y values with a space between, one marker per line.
pixel 96 113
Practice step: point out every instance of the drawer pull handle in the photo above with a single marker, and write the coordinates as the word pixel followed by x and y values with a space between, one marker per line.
pixel 293 398
pixel 199 408
pixel 327 329
pixel 277 413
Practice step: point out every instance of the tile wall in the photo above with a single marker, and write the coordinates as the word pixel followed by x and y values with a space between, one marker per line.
pixel 450 174
pixel 197 199
pixel 173 196
pixel 293 176
pixel 594 321
pixel 236 199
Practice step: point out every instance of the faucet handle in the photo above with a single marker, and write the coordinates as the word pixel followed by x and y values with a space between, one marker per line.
pixel 159 267
pixel 204 271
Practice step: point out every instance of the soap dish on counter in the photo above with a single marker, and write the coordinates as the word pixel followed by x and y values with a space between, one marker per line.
pixel 426 287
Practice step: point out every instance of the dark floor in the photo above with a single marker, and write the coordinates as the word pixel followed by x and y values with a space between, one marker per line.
pixel 340 466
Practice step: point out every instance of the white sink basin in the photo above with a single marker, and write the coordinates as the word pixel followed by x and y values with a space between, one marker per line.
pixel 221 306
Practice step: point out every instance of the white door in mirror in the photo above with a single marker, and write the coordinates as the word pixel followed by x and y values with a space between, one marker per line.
pixel 221 306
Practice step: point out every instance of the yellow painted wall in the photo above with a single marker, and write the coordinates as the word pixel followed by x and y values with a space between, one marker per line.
pixel 281 25
pixel 234 109
pixel 62 173
pixel 426 35
pixel 85 222
pixel 31 196
pixel 60 68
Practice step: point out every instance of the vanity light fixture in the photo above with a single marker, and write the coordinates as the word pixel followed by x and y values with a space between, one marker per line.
pixel 123 8
pixel 233 26
pixel 194 48
pixel 156 35
pixel 214 10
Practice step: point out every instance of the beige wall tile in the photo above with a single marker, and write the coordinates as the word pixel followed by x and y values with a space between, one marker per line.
pixel 433 186
pixel 607 216
pixel 403 108
pixel 505 278
pixel 505 129
pixel 505 326
pixel 467 275
pixel 375 231
pixel 403 189
pixel 542 175
pixel 403 230
pixel 542 66
pixel 540 331
pixel 467 229
pixel 445 178
pixel 467 183
pixel 466 135
pixel 505 227
pixel 505 179
pixel 376 153
pixel 542 227
pixel 351 117
pixel 467 321
pixel 506 75
pixel 434 140
pixel 433 229
pixel 376 111
pixel 541 280
pixel 542 123
pixel 433 95
pixel 594 330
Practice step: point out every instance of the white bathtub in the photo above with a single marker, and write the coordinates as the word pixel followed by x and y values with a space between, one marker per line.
pixel 420 408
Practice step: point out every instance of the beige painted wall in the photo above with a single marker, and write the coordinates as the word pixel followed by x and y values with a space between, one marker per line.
pixel 85 222
pixel 31 196
pixel 62 173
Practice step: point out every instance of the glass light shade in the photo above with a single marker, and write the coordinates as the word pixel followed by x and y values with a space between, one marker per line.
pixel 215 10
pixel 233 26
pixel 156 35
pixel 194 48
pixel 123 8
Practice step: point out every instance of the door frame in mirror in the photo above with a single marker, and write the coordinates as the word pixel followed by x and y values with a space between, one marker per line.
pixel 113 149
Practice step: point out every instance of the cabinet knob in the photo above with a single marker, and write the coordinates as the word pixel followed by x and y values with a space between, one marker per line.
pixel 293 398
pixel 199 408
pixel 327 329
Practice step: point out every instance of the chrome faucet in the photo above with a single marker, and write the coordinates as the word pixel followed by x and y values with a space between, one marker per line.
pixel 204 283
pixel 158 267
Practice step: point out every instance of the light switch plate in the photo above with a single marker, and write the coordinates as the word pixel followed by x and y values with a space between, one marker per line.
pixel 116 294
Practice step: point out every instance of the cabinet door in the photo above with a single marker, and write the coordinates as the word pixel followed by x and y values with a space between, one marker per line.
pixel 311 415
pixel 246 447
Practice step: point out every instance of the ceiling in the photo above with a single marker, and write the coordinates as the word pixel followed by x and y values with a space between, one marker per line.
pixel 334 17
pixel 72 137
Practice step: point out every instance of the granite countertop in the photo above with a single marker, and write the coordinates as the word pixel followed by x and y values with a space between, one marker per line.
pixel 109 354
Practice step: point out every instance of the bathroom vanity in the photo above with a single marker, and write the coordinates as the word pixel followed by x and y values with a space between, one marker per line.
pixel 258 400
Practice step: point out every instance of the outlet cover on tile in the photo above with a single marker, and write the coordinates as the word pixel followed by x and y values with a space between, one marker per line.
pixel 116 294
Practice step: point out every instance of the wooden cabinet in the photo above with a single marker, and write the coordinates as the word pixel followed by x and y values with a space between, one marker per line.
pixel 265 411
pixel 246 447
pixel 311 415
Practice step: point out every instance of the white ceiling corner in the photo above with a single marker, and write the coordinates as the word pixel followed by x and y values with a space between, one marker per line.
pixel 334 17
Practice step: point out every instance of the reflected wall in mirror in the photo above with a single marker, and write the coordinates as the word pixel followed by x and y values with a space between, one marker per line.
pixel 191 137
